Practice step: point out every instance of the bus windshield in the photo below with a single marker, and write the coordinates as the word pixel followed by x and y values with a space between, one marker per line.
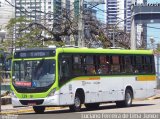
pixel 33 73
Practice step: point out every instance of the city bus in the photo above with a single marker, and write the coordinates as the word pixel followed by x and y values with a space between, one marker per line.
pixel 68 76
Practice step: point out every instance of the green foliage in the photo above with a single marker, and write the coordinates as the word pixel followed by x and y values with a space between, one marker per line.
pixel 58 44
pixel 6 44
pixel 28 37
pixel 104 40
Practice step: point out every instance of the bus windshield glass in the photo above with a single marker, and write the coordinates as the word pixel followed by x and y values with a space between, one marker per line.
pixel 33 73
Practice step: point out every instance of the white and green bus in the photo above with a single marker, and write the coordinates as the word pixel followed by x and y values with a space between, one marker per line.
pixel 74 76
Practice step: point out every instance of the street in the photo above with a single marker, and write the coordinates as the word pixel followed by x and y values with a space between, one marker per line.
pixel 145 106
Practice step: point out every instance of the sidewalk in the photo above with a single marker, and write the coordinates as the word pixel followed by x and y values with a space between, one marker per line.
pixel 157 96
pixel 9 109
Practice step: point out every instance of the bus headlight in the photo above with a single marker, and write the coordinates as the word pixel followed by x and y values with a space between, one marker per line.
pixel 13 94
pixel 52 92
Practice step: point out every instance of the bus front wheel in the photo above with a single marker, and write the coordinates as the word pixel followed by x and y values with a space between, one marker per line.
pixel 77 104
pixel 39 109
pixel 127 102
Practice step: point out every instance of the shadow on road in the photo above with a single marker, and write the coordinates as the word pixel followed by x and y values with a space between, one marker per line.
pixel 103 107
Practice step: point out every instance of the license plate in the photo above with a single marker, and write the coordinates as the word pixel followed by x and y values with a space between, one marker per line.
pixel 31 103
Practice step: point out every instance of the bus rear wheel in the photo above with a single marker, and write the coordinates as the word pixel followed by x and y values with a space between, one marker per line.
pixel 39 109
pixel 127 102
pixel 92 105
pixel 76 107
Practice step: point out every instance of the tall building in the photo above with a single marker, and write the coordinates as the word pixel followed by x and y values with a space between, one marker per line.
pixel 43 11
pixel 46 12
pixel 127 15
pixel 141 30
pixel 119 11
pixel 6 13
pixel 112 11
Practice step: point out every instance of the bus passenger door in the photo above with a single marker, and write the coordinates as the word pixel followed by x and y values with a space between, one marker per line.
pixel 65 92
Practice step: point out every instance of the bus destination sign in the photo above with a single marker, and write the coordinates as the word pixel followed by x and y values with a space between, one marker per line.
pixel 34 54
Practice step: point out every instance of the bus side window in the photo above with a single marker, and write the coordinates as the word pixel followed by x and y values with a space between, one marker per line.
pixel 138 66
pixel 90 65
pixel 103 65
pixel 115 67
pixel 127 64
pixel 64 70
pixel 77 66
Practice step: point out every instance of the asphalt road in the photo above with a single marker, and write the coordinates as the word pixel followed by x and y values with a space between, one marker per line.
pixel 146 106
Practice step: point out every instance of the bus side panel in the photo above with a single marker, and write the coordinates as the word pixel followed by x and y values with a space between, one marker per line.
pixel 151 88
pixel 106 89
pixel 112 88
pixel 52 100
pixel 139 87
pixel 90 88
pixel 66 95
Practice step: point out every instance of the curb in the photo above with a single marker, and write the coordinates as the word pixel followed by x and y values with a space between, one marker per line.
pixel 154 97
pixel 28 110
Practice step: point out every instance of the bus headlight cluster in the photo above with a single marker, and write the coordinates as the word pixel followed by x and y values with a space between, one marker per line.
pixel 52 92
pixel 13 94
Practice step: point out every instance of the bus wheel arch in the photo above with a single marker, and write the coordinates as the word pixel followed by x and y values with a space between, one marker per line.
pixel 128 98
pixel 79 99
pixel 80 91
pixel 131 89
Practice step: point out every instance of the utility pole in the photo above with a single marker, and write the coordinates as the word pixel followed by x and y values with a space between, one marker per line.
pixel 80 25
pixel 133 29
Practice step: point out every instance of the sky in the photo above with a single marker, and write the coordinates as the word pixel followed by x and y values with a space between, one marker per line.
pixel 151 32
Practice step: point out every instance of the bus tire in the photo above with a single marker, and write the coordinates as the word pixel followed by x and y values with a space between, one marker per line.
pixel 39 109
pixel 92 106
pixel 76 107
pixel 127 102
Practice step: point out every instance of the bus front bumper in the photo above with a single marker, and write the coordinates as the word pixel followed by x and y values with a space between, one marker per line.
pixel 48 101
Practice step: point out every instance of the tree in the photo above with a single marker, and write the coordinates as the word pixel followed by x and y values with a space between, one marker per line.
pixel 37 34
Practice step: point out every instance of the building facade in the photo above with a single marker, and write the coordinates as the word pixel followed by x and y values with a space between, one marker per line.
pixel 6 13
pixel 119 10
pixel 42 11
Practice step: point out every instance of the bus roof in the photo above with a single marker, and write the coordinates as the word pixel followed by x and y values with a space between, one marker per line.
pixel 97 50
pixel 85 50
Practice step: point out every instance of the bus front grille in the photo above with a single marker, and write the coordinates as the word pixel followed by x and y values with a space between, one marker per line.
pixel 31 102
